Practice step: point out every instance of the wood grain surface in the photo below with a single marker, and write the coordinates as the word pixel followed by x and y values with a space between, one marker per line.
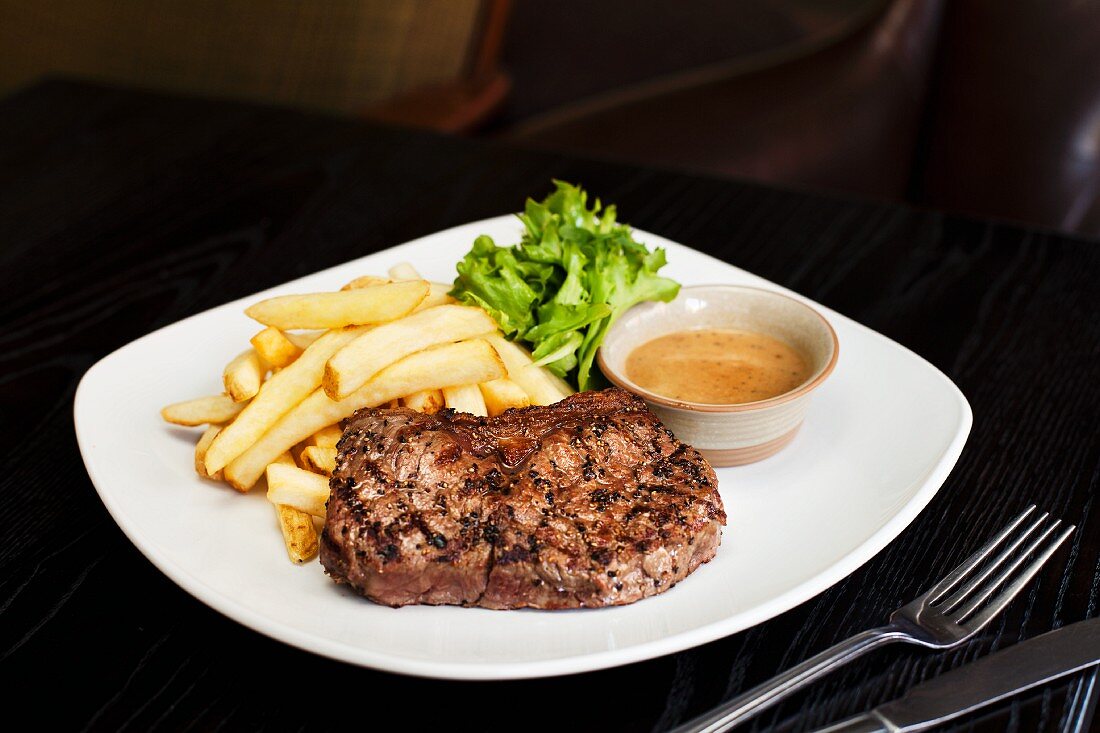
pixel 121 212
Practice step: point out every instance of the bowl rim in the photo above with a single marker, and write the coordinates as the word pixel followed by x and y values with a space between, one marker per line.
pixel 622 382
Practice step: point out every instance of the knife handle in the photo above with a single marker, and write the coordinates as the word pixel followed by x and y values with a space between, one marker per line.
pixel 865 723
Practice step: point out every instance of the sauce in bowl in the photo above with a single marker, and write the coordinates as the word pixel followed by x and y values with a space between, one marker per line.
pixel 717 366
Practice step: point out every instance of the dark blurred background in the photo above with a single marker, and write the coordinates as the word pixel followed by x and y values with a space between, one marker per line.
pixel 989 107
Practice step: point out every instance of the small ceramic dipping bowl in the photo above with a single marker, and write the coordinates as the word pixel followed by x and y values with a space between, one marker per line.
pixel 727 435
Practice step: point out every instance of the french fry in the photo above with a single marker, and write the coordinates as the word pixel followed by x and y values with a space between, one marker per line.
pixel 326 437
pixel 299 534
pixel 295 487
pixel 365 281
pixel 302 339
pixel 541 385
pixel 439 295
pixel 466 362
pixel 359 306
pixel 503 394
pixel 277 396
pixel 351 367
pixel 319 460
pixel 465 398
pixel 242 376
pixel 204 410
pixel 275 348
pixel 428 401
pixel 403 271
pixel 200 452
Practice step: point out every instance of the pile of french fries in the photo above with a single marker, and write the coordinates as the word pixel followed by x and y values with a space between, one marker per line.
pixel 376 342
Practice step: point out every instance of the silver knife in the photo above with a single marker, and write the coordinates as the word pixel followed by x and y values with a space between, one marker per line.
pixel 994 677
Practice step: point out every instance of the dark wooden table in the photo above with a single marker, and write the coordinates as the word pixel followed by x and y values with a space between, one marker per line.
pixel 121 212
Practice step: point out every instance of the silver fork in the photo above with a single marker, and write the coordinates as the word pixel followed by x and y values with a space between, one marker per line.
pixel 953 611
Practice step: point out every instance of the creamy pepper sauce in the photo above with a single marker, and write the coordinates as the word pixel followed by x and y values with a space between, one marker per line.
pixel 717 366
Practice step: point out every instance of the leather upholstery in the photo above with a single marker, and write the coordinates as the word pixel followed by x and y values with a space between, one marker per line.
pixel 845 117
pixel 976 106
pixel 1016 125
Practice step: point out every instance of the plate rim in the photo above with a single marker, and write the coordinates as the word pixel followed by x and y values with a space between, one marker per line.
pixel 572 664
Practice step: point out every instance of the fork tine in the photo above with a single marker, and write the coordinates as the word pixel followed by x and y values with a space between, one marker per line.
pixel 976 600
pixel 956 576
pixel 991 567
pixel 978 622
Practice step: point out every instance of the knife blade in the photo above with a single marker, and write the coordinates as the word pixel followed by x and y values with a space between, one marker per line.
pixel 983 682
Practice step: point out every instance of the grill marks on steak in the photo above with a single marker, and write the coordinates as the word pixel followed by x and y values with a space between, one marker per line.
pixel 588 502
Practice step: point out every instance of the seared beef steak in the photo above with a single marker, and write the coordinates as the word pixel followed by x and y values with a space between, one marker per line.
pixel 588 502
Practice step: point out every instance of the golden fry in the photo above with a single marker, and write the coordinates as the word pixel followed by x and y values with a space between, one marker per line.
pixel 285 459
pixel 503 394
pixel 200 452
pixel 428 401
pixel 275 348
pixel 326 437
pixel 438 295
pixel 467 362
pixel 243 376
pixel 304 490
pixel 403 271
pixel 351 367
pixel 359 306
pixel 303 339
pixel 541 385
pixel 465 398
pixel 299 534
pixel 319 460
pixel 277 396
pixel 202 411
pixel 365 281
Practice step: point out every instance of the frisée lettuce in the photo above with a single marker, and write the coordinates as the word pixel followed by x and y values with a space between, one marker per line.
pixel 559 289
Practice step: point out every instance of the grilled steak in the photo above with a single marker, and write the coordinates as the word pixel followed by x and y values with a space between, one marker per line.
pixel 588 502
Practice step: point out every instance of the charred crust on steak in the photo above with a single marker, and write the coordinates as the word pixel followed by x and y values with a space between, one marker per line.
pixel 589 502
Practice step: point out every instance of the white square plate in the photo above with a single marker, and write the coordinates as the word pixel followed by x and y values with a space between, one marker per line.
pixel 879 440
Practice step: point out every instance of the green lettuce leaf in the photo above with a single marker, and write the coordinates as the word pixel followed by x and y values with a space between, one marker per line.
pixel 573 273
